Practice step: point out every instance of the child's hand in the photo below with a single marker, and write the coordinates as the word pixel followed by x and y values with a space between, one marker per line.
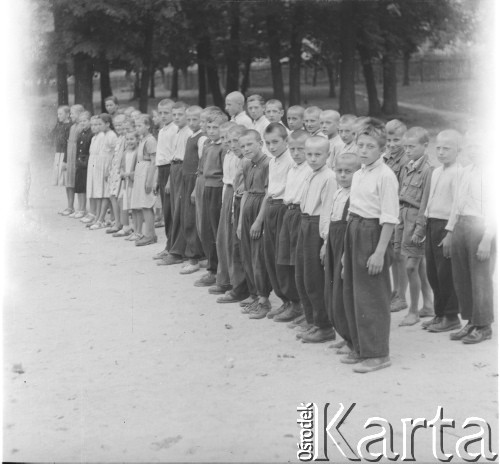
pixel 416 240
pixel 167 189
pixel 322 253
pixel 193 198
pixel 148 188
pixel 64 167
pixel 256 230
pixel 446 244
pixel 375 264
pixel 156 189
pixel 484 249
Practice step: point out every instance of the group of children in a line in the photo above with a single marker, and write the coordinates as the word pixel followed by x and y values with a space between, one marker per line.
pixel 317 212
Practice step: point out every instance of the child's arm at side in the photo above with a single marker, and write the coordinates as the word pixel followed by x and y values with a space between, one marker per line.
pixel 256 229
pixel 421 222
pixel 150 177
pixel 242 206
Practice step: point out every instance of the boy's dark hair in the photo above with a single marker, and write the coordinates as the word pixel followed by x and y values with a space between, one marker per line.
pixel 111 98
pixel 277 127
pixel 255 134
pixel 373 128
pixel 180 104
pixel 257 98
pixel 298 135
pixel 419 133
pixel 107 119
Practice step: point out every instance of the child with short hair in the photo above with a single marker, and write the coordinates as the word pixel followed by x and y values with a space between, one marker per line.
pixel 143 197
pixel 312 122
pixel 347 132
pixel 111 105
pixel 174 185
pixel 127 168
pixel 69 165
pixel 409 235
pixel 250 224
pixel 60 134
pixel 255 107
pixel 274 111
pixel 373 212
pixel 239 288
pixel 333 224
pixel 274 209
pixel 329 124
pixel 163 159
pixel 438 203
pixel 114 178
pixel 212 165
pixel 471 231
pixel 395 157
pixel 100 187
pixel 295 118
pixel 83 142
pixel 235 102
pixel 309 272
pixel 194 249
pixel 289 231
pixel 95 148
pixel 224 239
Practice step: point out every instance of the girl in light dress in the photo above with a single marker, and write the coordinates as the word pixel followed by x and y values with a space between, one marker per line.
pixel 100 186
pixel 95 148
pixel 129 160
pixel 114 179
pixel 143 197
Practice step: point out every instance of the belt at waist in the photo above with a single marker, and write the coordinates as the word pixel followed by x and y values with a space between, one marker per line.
pixel 176 161
pixel 275 201
pixel 257 194
pixel 405 204
pixel 293 206
pixel 308 217
pixel 357 217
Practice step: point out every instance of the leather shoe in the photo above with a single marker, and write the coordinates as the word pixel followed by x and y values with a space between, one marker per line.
pixel 289 314
pixel 445 325
pixel 169 260
pixel 477 335
pixel 462 332
pixel 434 320
pixel 320 336
pixel 161 255
pixel 218 290
pixel 260 311
pixel 275 312
pixel 372 364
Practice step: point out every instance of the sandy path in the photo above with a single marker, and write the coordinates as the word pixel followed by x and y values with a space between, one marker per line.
pixel 127 361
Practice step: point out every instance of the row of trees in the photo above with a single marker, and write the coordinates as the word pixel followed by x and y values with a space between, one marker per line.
pixel 142 36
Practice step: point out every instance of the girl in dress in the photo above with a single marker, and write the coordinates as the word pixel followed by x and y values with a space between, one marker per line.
pixel 95 148
pixel 83 142
pixel 100 187
pixel 143 197
pixel 60 134
pixel 129 160
pixel 114 179
pixel 70 160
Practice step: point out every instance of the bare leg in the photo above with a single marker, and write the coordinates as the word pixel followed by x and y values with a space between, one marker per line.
pixel 402 279
pixel 82 201
pixel 116 211
pixel 124 214
pixel 103 209
pixel 70 194
pixel 149 222
pixel 98 205
pixel 427 294
pixel 412 265
pixel 93 206
pixel 138 221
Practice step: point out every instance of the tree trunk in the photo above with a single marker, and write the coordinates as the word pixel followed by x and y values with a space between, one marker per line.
pixel 273 24
pixel 233 51
pixel 390 105
pixel 369 75
pixel 330 71
pixel 152 84
pixel 137 85
pixel 296 32
pixel 147 64
pixel 213 75
pixel 84 86
pixel 406 68
pixel 245 81
pixel 104 80
pixel 347 103
pixel 174 91
pixel 62 83
pixel 202 80
pixel 62 67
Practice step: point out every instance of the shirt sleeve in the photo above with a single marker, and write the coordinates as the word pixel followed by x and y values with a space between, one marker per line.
pixel 421 218
pixel 150 146
pixel 389 200
pixel 327 196
pixel 454 208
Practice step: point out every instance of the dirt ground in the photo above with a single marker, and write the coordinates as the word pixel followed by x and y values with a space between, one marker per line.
pixel 108 357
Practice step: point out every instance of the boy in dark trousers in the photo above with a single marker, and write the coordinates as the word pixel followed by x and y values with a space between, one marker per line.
pixel 333 224
pixel 212 163
pixel 250 226
pixel 373 212
pixel 317 196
